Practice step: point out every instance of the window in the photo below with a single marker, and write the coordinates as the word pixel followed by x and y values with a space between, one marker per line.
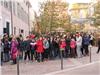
pixel 22 31
pixel 15 30
pixel 17 3
pixel 2 3
pixel 6 4
pixel 9 5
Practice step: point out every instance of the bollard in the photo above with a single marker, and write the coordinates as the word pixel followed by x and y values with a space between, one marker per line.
pixel 61 60
pixel 90 46
pixel 18 65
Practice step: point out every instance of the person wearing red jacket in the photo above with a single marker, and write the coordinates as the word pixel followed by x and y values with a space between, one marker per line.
pixel 62 46
pixel 39 49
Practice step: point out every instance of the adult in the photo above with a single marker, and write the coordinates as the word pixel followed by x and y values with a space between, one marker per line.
pixel 6 49
pixel 14 50
pixel 68 39
pixel 86 42
pixel 91 39
pixel 78 45
pixel 39 49
pixel 46 48
pixel 27 48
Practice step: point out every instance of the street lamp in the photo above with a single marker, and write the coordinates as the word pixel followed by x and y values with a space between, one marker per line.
pixel 29 6
pixel 11 12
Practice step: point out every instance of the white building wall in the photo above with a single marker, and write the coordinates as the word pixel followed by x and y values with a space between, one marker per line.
pixel 18 23
pixel 1 27
pixel 6 17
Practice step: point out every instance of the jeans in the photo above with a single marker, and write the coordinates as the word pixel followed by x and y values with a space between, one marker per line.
pixel 78 50
pixel 27 54
pixel 6 57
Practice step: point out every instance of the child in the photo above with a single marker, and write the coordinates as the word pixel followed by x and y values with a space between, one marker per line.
pixel 73 46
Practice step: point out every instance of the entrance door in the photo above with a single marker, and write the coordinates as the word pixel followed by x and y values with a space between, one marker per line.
pixel 8 28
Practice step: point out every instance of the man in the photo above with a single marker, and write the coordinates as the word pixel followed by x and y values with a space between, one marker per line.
pixel 27 48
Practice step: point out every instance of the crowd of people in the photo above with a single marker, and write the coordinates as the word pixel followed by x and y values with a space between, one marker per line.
pixel 45 47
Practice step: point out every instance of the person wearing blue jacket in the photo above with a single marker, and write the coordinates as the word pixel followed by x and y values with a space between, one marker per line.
pixel 86 42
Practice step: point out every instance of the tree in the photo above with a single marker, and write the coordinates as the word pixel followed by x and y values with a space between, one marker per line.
pixel 97 14
pixel 53 15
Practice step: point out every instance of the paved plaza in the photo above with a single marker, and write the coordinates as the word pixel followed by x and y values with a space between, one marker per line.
pixel 77 66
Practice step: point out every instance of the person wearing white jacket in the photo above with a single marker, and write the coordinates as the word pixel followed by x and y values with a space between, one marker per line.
pixel 79 45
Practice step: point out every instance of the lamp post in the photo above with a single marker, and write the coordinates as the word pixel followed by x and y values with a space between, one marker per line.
pixel 11 12
pixel 29 5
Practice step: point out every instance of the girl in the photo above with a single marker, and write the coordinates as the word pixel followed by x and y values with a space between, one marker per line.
pixel 73 46
pixel 39 49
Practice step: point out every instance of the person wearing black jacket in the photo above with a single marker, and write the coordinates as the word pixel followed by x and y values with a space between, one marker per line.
pixel 98 46
pixel 27 48
pixel 6 50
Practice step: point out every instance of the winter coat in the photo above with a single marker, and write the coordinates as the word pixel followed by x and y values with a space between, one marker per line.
pixel 79 41
pixel 73 44
pixel 63 45
pixel 39 46
pixel 28 46
pixel 86 40
pixel 6 46
pixel 14 49
pixel 52 45
pixel 46 44
pixel 33 46
pixel 22 45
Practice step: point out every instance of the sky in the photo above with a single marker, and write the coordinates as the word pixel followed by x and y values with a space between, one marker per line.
pixel 35 3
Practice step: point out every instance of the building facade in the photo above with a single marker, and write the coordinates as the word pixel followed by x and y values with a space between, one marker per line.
pixel 14 17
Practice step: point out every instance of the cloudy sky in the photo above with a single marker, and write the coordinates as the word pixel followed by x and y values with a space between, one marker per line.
pixel 35 3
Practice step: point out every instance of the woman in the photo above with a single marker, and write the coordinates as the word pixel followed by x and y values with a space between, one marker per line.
pixel 40 49
pixel 46 48
pixel 14 50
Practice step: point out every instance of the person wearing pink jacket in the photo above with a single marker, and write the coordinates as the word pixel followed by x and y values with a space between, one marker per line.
pixel 73 46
